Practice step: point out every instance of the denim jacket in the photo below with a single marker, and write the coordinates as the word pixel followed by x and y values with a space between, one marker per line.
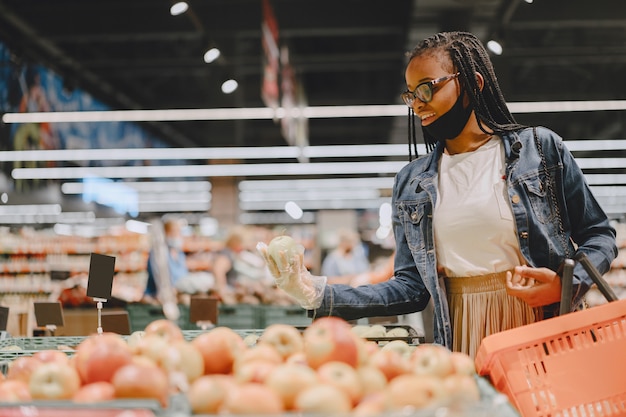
pixel 546 235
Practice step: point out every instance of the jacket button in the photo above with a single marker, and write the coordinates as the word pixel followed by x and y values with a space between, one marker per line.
pixel 414 216
pixel 524 235
pixel 515 199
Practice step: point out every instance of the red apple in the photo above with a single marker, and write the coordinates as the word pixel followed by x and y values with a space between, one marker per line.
pixel 252 398
pixel 330 339
pixel 431 359
pixel 182 357
pixel 98 357
pixel 134 338
pixel 461 388
pixel 254 371
pixel 390 362
pixel 323 399
pixel 22 368
pixel 373 380
pixel 286 339
pixel 343 377
pixel 260 352
pixel 289 379
pixel 418 391
pixel 463 363
pixel 375 404
pixel 400 346
pixel 95 392
pixel 141 381
pixel 297 358
pixel 151 347
pixel 14 391
pixel 49 355
pixel 207 393
pixel 164 328
pixel 54 381
pixel 219 348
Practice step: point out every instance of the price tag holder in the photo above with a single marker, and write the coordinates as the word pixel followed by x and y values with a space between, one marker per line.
pixel 100 281
pixel 49 315
pixel 101 272
pixel 203 311
pixel 116 322
pixel 4 318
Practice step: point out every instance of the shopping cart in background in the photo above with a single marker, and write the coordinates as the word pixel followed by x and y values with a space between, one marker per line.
pixel 572 365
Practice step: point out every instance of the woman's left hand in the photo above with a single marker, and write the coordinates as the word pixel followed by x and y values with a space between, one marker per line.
pixel 536 286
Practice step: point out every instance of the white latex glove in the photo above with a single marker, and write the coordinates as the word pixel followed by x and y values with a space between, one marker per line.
pixel 292 277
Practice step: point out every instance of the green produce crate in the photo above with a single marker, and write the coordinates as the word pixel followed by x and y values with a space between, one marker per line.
pixel 140 315
pixel 293 315
pixel 13 347
pixel 240 316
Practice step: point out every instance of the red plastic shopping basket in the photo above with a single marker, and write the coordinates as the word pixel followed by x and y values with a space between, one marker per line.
pixel 573 365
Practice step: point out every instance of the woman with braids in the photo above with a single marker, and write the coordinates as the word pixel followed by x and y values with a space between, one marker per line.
pixel 483 221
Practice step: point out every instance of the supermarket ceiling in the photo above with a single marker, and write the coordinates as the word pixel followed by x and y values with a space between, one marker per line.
pixel 132 54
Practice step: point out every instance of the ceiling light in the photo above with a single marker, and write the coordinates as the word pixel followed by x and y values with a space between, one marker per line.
pixel 221 170
pixel 495 47
pixel 30 209
pixel 251 152
pixel 293 210
pixel 528 1
pixel 211 55
pixel 261 113
pixel 229 86
pixel 178 8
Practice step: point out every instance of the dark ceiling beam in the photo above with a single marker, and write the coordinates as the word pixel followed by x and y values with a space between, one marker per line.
pixel 542 25
pixel 226 34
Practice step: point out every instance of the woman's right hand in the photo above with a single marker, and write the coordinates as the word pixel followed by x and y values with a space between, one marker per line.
pixel 293 278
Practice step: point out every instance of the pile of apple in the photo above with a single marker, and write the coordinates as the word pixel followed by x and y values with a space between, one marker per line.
pixel 326 369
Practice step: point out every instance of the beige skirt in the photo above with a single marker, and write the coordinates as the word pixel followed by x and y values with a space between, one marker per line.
pixel 479 306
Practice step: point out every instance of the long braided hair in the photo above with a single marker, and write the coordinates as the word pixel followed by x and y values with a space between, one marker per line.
pixel 468 56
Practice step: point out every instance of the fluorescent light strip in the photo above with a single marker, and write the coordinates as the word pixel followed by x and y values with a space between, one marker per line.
pixel 267 113
pixel 245 170
pixel 151 154
pixel 30 209
pixel 147 187
pixel 308 195
pixel 225 170
pixel 174 198
pixel 308 184
pixel 274 152
pixel 338 204
pixel 173 206
pixel 595 179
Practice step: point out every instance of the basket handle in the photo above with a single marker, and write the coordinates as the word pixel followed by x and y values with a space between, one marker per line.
pixel 595 275
pixel 566 271
pixel 567 277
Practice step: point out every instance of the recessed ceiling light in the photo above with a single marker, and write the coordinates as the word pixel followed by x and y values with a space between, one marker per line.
pixel 229 86
pixel 211 55
pixel 178 8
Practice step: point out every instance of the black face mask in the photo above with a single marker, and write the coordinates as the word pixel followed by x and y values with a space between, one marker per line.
pixel 450 124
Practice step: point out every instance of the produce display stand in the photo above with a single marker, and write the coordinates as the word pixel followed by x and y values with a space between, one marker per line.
pixel 235 316
pixel 492 403
pixel 570 365
pixel 117 408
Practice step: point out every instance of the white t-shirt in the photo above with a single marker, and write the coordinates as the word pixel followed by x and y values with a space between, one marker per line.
pixel 473 221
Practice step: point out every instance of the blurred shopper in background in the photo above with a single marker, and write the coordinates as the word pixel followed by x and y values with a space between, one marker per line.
pixel 348 257
pixel 181 279
pixel 483 221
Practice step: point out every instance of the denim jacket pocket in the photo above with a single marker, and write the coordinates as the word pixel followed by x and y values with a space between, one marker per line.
pixel 540 199
pixel 411 215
